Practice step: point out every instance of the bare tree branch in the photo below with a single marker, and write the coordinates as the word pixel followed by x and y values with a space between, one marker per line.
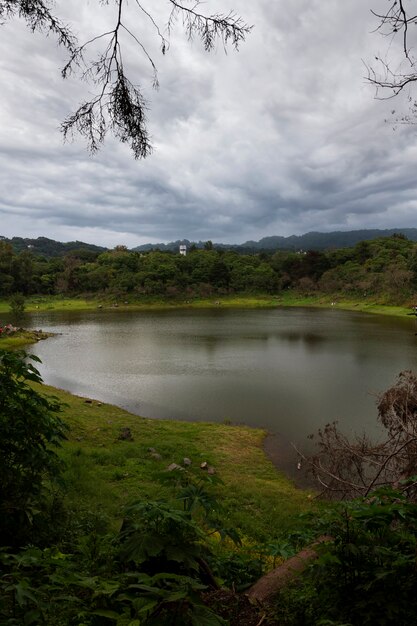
pixel 210 28
pixel 391 81
pixel 350 468
pixel 38 16
pixel 119 105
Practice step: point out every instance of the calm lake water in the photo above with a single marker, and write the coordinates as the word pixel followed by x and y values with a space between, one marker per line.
pixel 287 370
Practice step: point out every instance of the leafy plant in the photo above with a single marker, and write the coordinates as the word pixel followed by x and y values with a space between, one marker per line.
pixel 125 579
pixel 170 600
pixel 17 305
pixel 158 537
pixel 194 492
pixel 367 574
pixel 237 570
pixel 30 429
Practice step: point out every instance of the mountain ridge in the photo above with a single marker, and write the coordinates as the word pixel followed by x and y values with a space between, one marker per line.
pixel 313 240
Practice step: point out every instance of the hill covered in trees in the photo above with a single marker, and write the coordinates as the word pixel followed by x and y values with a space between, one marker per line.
pixel 48 247
pixel 385 268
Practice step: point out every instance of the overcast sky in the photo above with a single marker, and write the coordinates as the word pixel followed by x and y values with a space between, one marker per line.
pixel 281 138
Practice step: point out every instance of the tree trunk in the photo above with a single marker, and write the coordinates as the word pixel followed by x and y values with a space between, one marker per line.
pixel 279 577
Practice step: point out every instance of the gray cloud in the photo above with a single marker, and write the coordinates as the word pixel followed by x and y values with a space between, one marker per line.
pixel 281 138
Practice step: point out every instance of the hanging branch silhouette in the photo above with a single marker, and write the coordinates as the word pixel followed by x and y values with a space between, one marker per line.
pixel 119 105
pixel 388 79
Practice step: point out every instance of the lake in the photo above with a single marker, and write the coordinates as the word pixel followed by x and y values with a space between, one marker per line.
pixel 289 370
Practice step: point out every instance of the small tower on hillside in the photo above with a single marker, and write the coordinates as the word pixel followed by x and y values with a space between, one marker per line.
pixel 183 249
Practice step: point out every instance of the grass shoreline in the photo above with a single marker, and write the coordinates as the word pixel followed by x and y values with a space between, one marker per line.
pixel 37 304
pixel 22 338
pixel 107 472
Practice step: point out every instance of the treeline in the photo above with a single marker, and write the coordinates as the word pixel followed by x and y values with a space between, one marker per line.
pixel 381 267
pixel 42 246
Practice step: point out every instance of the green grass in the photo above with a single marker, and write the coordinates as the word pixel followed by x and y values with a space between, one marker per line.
pixel 285 298
pixel 104 473
pixel 349 304
pixel 57 303
pixel 21 339
pixel 50 303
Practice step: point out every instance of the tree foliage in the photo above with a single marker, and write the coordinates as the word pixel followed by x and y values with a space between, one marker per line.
pixel 364 575
pixel 30 429
pixel 384 268
pixel 17 305
pixel 118 104
pixel 152 572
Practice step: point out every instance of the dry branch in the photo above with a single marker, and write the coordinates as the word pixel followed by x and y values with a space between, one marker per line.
pixel 119 105
pixel 348 469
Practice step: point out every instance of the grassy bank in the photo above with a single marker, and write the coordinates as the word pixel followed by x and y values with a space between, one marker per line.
pixel 285 298
pixel 50 303
pixel 21 339
pixel 105 473
pixel 366 305
pixel 55 303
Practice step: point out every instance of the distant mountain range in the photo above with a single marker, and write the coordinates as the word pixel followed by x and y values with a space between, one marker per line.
pixel 310 241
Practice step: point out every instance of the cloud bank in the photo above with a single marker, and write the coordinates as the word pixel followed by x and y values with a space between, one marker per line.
pixel 280 138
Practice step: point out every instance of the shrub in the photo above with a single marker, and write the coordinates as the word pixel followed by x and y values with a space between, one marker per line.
pixel 17 305
pixel 367 575
pixel 29 430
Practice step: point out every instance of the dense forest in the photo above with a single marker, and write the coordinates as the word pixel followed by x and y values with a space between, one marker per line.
pixel 384 268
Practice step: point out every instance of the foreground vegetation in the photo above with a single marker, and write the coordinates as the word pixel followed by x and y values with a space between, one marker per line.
pixel 365 574
pixel 96 530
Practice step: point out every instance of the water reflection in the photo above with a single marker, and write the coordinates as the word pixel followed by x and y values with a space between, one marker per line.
pixel 288 370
